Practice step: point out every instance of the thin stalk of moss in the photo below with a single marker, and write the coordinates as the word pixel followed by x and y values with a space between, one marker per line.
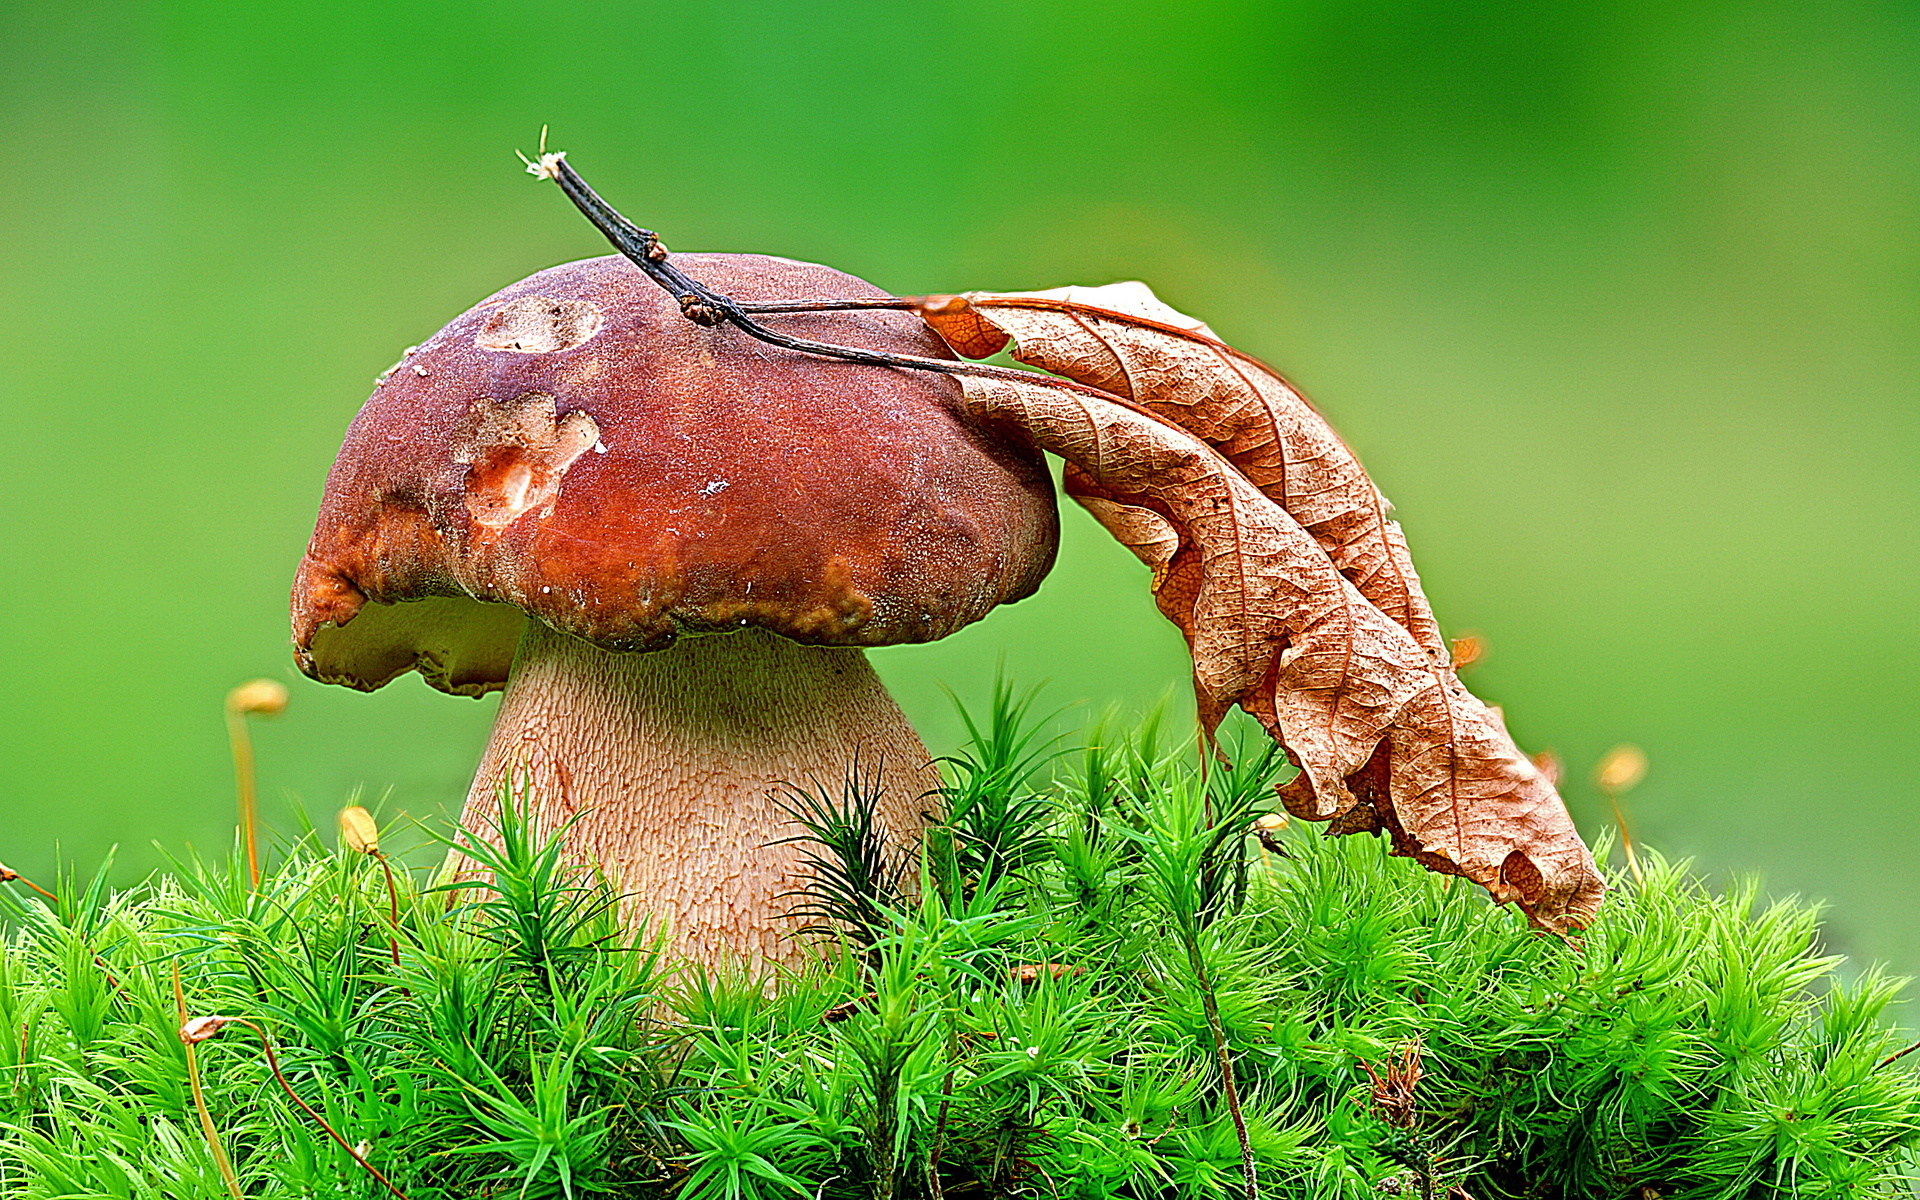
pixel 393 910
pixel 243 782
pixel 9 875
pixel 273 1064
pixel 262 698
pixel 1626 837
pixel 1190 936
pixel 359 833
pixel 1896 1056
pixel 220 1159
pixel 940 1124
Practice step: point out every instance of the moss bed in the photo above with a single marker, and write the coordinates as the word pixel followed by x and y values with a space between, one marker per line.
pixel 1041 1006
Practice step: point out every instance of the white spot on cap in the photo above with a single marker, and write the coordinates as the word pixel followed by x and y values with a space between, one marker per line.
pixel 714 487
pixel 539 325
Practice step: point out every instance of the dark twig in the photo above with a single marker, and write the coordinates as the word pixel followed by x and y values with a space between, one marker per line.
pixel 800 306
pixel 704 306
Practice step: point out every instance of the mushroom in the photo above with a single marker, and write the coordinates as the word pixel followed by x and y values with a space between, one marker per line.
pixel 669 544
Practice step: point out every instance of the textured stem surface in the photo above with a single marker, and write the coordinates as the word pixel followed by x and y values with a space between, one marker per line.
pixel 673 765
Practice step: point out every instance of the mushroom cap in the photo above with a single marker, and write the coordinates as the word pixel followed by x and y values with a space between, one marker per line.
pixel 576 450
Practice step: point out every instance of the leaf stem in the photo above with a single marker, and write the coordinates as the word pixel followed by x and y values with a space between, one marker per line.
pixel 799 306
pixel 704 306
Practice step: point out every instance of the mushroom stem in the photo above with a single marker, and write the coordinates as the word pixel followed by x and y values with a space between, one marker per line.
pixel 672 766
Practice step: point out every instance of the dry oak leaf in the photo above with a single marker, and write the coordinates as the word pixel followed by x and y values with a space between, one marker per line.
pixel 1383 732
pixel 1120 338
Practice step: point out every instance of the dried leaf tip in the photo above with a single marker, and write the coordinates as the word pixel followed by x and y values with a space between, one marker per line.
pixel 1621 769
pixel 8 874
pixel 258 697
pixel 358 831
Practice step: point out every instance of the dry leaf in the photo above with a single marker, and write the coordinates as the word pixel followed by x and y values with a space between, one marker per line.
pixel 1383 733
pixel 1121 339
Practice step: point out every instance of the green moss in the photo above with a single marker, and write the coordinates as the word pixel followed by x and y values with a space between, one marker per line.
pixel 1693 1044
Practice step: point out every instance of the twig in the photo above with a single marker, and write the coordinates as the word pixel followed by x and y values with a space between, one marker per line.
pixel 701 304
pixel 704 306
pixel 1173 1117
pixel 800 306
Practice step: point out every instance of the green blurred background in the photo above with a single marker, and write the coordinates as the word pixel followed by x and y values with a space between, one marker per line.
pixel 1617 301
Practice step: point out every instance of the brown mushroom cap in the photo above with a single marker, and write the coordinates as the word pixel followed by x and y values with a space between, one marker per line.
pixel 575 449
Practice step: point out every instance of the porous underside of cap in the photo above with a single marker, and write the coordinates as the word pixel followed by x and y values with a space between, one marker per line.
pixel 575 450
